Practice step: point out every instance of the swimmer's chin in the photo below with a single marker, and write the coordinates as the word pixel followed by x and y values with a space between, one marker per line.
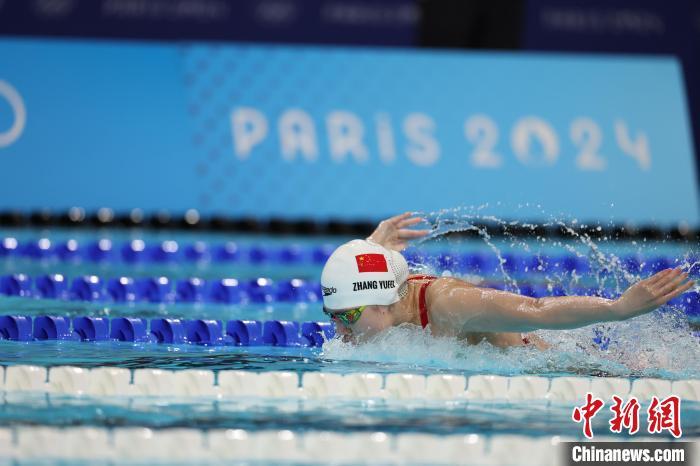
pixel 369 337
pixel 358 339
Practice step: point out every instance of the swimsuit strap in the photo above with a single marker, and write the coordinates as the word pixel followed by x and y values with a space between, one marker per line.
pixel 422 277
pixel 423 308
pixel 421 304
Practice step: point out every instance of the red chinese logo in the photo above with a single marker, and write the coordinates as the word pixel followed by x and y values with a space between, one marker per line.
pixel 626 416
pixel 665 415
pixel 586 412
pixel 661 415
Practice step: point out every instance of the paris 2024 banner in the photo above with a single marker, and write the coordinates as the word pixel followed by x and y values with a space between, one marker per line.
pixel 325 132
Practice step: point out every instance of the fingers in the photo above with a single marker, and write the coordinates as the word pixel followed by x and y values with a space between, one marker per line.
pixel 677 292
pixel 397 218
pixel 657 277
pixel 671 285
pixel 664 279
pixel 407 222
pixel 411 234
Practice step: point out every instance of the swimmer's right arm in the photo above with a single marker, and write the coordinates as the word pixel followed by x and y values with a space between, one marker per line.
pixel 393 233
pixel 487 310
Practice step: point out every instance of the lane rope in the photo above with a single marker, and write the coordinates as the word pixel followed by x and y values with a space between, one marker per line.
pixel 115 381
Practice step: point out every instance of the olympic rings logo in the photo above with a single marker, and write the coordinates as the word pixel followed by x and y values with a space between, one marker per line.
pixel 10 94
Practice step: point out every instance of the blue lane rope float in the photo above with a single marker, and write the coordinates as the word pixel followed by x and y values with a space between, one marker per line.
pixel 162 330
pixel 92 288
pixel 138 251
pixel 194 331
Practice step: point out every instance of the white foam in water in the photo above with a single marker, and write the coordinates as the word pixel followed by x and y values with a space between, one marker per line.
pixel 410 346
pixel 654 345
pixel 659 344
pixel 647 346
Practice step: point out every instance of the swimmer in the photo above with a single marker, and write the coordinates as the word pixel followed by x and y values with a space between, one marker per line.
pixel 367 288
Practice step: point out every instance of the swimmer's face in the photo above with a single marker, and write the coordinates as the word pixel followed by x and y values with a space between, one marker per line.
pixel 373 320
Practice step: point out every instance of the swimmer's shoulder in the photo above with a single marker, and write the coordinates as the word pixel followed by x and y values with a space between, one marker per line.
pixel 437 285
pixel 443 320
pixel 441 287
pixel 440 281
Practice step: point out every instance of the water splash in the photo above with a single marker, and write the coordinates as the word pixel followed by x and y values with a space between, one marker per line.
pixel 659 344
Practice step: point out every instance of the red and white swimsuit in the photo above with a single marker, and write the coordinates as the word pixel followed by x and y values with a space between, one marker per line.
pixel 423 307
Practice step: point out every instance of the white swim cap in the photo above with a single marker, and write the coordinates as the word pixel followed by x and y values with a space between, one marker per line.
pixel 363 273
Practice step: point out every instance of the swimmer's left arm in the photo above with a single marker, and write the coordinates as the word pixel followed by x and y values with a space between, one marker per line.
pixel 476 309
pixel 488 310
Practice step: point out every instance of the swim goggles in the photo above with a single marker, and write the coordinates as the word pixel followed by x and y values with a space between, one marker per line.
pixel 348 317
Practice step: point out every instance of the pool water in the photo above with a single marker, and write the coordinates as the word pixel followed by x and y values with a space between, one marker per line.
pixel 661 345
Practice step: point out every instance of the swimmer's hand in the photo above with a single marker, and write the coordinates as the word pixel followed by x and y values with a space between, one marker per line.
pixel 646 295
pixel 393 233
